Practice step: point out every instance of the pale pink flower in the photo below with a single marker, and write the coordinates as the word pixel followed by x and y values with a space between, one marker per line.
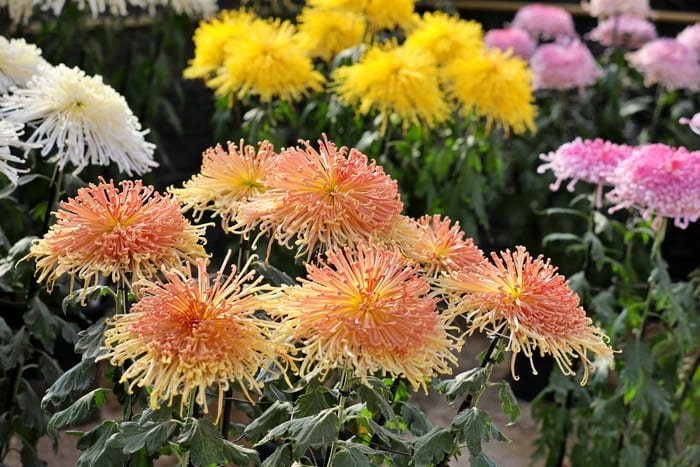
pixel 599 8
pixel 667 62
pixel 690 37
pixel 564 65
pixel 624 30
pixel 544 21
pixel 660 181
pixel 522 44
pixel 693 122
pixel 593 161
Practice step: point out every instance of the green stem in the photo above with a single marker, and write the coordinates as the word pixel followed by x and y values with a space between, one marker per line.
pixel 342 398
pixel 472 399
pixel 656 115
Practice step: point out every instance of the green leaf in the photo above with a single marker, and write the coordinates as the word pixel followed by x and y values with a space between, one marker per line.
pixel 78 411
pixel 207 446
pixel 480 459
pixel 468 382
pixel 276 414
pixel 17 350
pixel 316 431
pixel 416 421
pixel 376 396
pixel 97 452
pixel 91 340
pixel 41 323
pixel 239 455
pixel 282 457
pixel 509 403
pixel 432 447
pixel 473 426
pixel 596 247
pixel 28 401
pixel 561 237
pixel 133 436
pixel 316 399
pixel 29 456
pixel 74 381
pixel 353 455
pixel 273 275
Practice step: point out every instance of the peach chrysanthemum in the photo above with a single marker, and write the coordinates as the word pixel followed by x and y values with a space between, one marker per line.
pixel 326 31
pixel 368 311
pixel 125 235
pixel 270 62
pixel 395 79
pixel 442 247
pixel 226 180
pixel 326 196
pixel 189 333
pixel 446 37
pixel 525 301
pixel 494 85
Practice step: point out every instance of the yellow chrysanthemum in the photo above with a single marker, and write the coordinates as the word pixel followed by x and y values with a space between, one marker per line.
pixel 269 62
pixel 379 14
pixel 397 79
pixel 446 37
pixel 226 180
pixel 370 312
pixel 210 39
pixel 325 31
pixel 494 85
pixel 188 334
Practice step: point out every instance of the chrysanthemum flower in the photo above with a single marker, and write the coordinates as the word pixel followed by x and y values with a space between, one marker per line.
pixel 81 120
pixel 322 196
pixel 326 31
pixel 19 10
pixel 9 137
pixel 396 79
pixel 667 62
pixel 604 8
pixel 593 161
pixel 660 181
pixel 690 37
pixel 693 123
pixel 525 301
pixel 624 30
pixel 210 39
pixel 564 65
pixel 189 333
pixel 446 37
pixel 520 42
pixel 443 248
pixel 19 61
pixel 96 7
pixel 226 180
pixel 191 8
pixel 366 310
pixel 125 235
pixel 544 21
pixel 494 85
pixel 269 62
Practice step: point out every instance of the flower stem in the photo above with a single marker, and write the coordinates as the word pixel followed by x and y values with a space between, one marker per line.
pixel 471 399
pixel 342 397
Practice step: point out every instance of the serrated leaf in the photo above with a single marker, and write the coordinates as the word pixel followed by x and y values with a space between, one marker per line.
pixel 97 452
pixel 17 350
pixel 41 323
pixel 432 447
pixel 468 382
pixel 91 340
pixel 78 411
pixel 316 399
pixel 316 431
pixel 509 403
pixel 239 455
pixel 132 436
pixel 416 421
pixel 32 415
pixel 471 426
pixel 351 455
pixel 480 459
pixel 282 457
pixel 204 442
pixel 375 396
pixel 276 414
pixel 75 381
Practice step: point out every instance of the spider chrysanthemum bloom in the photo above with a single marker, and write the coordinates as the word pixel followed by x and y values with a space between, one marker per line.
pixel 443 248
pixel 564 65
pixel 326 31
pixel 80 120
pixel 693 122
pixel 326 197
pixel 19 10
pixel 660 181
pixel 494 85
pixel 9 138
pixel 227 179
pixel 523 300
pixel 269 62
pixel 370 312
pixel 690 37
pixel 210 40
pixel 396 79
pixel 624 30
pixel 544 21
pixel 603 8
pixel 446 37
pixel 126 235
pixel 593 161
pixel 668 62
pixel 190 332
pixel 521 43
pixel 19 61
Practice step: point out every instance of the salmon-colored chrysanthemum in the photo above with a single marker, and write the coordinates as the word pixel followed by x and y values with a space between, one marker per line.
pixel 368 311
pixel 189 333
pixel 443 248
pixel 446 37
pixel 326 196
pixel 524 300
pixel 226 180
pixel 126 235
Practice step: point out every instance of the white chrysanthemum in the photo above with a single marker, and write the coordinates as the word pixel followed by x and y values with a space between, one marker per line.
pixel 19 10
pixel 204 8
pixel 81 120
pixel 9 137
pixel 115 7
pixel 19 61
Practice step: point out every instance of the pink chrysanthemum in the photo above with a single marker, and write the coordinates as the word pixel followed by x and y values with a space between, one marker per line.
pixel 593 161
pixel 624 31
pixel 525 301
pixel 544 21
pixel 327 196
pixel 370 312
pixel 604 8
pixel 564 65
pixel 690 37
pixel 693 122
pixel 521 43
pixel 443 248
pixel 660 181
pixel 667 62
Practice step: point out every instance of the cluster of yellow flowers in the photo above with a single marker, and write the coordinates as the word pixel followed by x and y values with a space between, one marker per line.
pixel 441 65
